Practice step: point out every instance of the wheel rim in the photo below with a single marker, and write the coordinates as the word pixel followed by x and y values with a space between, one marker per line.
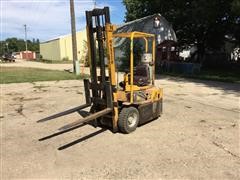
pixel 132 119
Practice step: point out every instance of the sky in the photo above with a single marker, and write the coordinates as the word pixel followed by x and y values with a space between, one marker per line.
pixel 47 19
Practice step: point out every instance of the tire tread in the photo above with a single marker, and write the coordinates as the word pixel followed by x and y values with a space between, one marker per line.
pixel 122 121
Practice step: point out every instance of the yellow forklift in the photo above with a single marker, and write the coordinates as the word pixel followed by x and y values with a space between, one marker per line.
pixel 121 106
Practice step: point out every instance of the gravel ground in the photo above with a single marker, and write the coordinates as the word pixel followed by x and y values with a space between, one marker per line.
pixel 197 137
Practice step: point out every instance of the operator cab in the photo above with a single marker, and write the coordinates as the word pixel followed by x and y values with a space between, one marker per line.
pixel 141 73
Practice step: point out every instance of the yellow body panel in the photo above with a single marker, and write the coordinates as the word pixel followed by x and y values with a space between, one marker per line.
pixel 151 94
pixel 111 66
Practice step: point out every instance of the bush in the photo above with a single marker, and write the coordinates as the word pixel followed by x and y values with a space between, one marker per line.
pixel 65 59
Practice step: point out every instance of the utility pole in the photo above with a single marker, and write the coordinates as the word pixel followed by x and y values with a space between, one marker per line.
pixel 25 28
pixel 7 46
pixel 74 38
pixel 95 4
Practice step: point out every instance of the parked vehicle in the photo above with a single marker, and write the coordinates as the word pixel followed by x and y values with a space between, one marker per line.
pixel 8 57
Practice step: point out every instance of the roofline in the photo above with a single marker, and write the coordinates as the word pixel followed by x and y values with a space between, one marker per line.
pixel 137 20
pixel 50 40
pixel 59 37
pixel 134 34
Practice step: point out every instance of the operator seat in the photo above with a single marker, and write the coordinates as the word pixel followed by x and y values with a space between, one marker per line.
pixel 141 75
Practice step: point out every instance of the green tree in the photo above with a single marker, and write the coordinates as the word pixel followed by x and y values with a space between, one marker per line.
pixel 16 45
pixel 235 8
pixel 202 22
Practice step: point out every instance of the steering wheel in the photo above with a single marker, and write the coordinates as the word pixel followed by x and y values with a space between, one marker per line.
pixel 140 82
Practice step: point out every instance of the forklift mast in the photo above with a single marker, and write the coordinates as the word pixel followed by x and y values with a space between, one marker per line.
pixel 101 98
pixel 96 35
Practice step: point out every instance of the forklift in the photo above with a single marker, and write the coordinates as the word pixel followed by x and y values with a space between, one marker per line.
pixel 119 106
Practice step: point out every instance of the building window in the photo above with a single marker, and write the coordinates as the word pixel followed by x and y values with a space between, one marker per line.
pixel 158 38
pixel 156 23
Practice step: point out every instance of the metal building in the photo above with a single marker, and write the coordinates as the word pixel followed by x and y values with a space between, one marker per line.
pixel 60 48
pixel 155 24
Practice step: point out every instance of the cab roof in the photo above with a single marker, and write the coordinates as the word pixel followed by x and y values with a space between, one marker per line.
pixel 134 34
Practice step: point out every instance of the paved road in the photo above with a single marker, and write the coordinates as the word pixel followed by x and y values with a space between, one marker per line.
pixel 197 137
pixel 32 64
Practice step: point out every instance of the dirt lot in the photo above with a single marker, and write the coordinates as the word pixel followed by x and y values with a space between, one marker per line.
pixel 196 137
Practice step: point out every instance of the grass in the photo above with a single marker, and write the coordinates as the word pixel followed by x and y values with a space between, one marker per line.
pixel 232 75
pixel 20 75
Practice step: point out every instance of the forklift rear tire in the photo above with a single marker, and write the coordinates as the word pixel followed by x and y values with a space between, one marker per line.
pixel 128 119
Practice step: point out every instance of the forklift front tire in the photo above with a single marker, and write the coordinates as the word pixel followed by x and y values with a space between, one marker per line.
pixel 128 119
